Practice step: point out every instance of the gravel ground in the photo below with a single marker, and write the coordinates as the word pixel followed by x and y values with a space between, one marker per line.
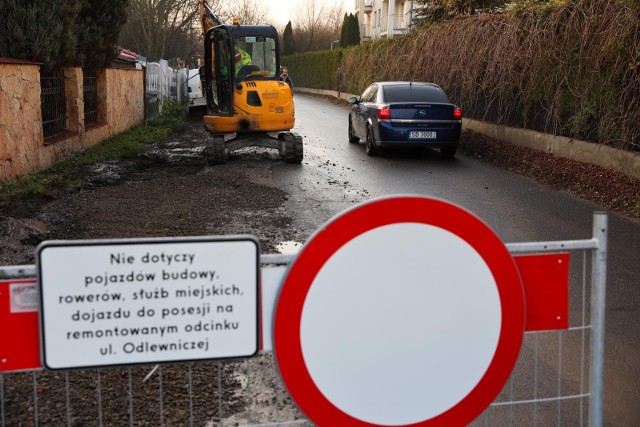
pixel 168 191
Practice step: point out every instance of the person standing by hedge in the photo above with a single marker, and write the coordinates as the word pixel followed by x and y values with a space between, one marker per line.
pixel 285 77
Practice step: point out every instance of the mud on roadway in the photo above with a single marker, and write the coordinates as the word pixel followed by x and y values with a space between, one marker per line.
pixel 167 191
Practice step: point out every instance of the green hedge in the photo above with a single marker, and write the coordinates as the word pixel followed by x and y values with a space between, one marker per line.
pixel 81 33
pixel 315 70
pixel 570 69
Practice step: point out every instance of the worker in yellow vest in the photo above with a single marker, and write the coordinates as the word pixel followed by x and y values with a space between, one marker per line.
pixel 241 59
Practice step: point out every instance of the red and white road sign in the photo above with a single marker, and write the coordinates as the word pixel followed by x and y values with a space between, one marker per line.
pixel 402 311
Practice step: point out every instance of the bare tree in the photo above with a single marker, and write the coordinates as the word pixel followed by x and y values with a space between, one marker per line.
pixel 248 12
pixel 335 16
pixel 162 28
pixel 316 25
pixel 308 21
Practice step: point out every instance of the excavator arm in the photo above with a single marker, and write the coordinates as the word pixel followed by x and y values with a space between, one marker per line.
pixel 208 18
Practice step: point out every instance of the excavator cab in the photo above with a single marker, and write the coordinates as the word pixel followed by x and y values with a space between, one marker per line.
pixel 251 55
pixel 247 104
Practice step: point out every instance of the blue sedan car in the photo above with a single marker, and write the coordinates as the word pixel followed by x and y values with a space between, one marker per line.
pixel 405 114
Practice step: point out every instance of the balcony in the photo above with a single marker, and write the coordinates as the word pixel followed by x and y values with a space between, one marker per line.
pixel 401 24
pixel 368 6
pixel 365 32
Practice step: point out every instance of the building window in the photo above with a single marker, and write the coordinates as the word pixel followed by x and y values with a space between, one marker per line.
pixel 90 96
pixel 53 102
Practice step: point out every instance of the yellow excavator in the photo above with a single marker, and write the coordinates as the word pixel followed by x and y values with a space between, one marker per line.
pixel 247 104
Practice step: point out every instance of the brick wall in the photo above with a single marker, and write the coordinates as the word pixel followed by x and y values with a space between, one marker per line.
pixel 23 147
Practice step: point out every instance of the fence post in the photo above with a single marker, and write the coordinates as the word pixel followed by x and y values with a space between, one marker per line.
pixel 598 298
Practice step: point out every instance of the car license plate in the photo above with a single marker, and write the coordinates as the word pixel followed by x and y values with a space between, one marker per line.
pixel 421 134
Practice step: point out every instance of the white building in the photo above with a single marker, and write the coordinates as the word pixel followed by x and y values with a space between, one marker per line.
pixel 383 18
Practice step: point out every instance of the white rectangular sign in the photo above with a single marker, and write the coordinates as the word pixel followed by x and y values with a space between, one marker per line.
pixel 121 302
pixel 23 298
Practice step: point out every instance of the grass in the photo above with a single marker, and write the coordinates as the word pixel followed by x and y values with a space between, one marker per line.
pixel 65 174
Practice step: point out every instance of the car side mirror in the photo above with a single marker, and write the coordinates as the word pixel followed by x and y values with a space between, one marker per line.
pixel 353 100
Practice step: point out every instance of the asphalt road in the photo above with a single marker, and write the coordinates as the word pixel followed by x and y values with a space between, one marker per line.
pixel 335 175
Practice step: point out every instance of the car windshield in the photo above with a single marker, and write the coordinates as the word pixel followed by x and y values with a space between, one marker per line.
pixel 413 93
pixel 255 53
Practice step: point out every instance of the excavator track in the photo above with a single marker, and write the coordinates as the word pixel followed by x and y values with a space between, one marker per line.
pixel 215 150
pixel 292 149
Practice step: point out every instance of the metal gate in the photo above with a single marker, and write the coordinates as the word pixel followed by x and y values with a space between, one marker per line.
pixel 558 379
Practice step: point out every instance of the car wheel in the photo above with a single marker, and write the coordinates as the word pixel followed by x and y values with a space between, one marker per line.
pixel 448 152
pixel 352 137
pixel 370 145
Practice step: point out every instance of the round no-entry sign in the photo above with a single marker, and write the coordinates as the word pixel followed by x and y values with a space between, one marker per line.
pixel 402 311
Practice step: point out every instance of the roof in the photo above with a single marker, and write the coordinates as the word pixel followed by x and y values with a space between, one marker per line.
pixel 391 83
pixel 252 30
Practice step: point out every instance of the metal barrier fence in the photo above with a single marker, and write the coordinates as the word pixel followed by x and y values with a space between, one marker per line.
pixel 90 96
pixel 558 379
pixel 53 102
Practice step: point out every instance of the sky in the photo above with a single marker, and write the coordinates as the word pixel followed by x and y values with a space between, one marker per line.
pixel 283 11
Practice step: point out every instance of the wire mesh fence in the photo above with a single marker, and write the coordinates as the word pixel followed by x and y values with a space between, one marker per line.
pixel 549 385
pixel 53 101
pixel 557 379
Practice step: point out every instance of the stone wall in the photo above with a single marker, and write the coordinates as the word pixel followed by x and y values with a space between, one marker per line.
pixel 23 147
pixel 20 118
pixel 124 106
